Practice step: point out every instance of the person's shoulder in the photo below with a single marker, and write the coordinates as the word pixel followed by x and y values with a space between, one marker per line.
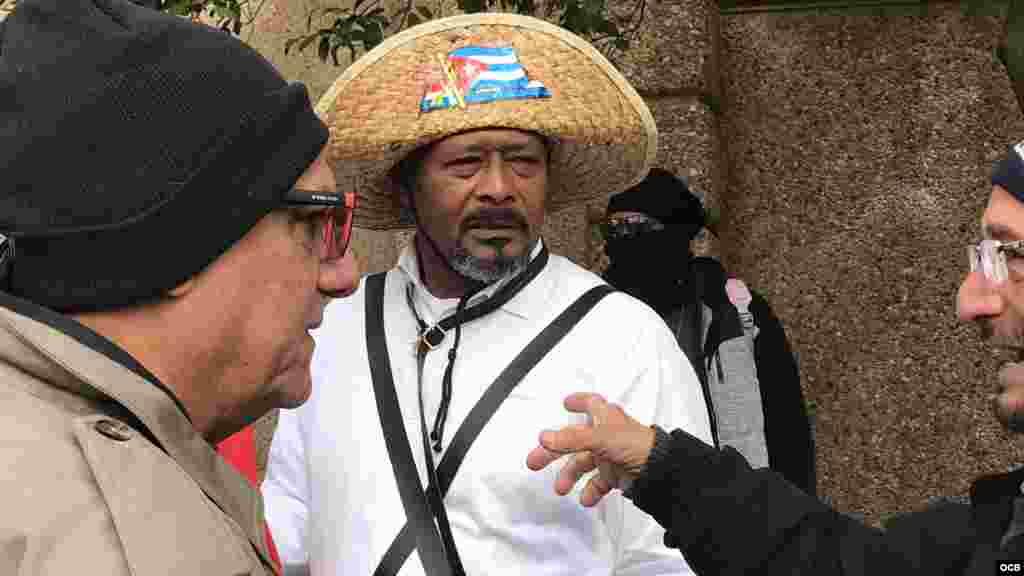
pixel 86 480
pixel 49 486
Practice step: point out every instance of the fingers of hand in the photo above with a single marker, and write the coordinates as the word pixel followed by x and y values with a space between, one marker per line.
pixel 575 438
pixel 540 457
pixel 581 402
pixel 574 469
pixel 596 489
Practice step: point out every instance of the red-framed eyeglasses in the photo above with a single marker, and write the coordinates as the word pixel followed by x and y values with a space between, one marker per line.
pixel 336 218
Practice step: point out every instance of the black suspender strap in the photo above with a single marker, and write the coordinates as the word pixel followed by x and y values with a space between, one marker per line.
pixel 696 350
pixel 414 500
pixel 704 353
pixel 414 533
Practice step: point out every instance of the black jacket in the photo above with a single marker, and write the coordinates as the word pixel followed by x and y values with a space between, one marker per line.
pixel 728 519
pixel 788 434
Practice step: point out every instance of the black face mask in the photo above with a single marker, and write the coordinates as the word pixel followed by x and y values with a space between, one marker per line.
pixel 650 266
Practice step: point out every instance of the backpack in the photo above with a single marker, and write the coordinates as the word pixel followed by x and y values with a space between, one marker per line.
pixel 748 372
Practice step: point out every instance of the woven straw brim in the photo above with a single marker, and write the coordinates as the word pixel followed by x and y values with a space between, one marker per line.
pixel 605 137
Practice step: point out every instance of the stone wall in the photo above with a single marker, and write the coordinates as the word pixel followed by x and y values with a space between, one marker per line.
pixel 858 154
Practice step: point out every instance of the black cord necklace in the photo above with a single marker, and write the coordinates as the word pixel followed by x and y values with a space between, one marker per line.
pixel 430 337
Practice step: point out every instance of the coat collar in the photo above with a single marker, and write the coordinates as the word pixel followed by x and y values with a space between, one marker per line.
pixel 64 353
pixel 992 503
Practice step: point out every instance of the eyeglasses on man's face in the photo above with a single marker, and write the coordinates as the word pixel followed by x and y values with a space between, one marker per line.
pixel 620 227
pixel 990 257
pixel 334 221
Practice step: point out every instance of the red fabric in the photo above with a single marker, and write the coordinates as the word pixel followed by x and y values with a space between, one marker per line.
pixel 240 450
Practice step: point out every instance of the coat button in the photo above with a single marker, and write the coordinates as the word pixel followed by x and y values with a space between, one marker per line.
pixel 113 429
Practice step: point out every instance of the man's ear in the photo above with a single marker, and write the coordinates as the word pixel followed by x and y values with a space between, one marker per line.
pixel 404 203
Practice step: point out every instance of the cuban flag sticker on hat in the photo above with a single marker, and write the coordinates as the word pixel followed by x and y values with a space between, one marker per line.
pixel 474 74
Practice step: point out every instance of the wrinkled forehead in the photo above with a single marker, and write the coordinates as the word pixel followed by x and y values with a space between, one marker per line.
pixel 484 139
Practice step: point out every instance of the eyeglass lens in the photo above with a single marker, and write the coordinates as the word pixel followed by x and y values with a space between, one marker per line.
pixel 988 257
pixel 628 228
pixel 338 229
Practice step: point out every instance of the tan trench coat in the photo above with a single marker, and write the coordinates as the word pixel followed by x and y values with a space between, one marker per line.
pixel 100 470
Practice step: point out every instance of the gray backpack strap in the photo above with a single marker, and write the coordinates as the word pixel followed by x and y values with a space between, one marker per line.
pixel 735 389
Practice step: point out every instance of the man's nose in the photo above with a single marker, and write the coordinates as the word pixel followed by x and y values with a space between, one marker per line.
pixel 494 186
pixel 977 298
pixel 339 278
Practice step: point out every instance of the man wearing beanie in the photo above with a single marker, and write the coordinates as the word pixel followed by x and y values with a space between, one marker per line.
pixel 739 520
pixel 407 460
pixel 728 332
pixel 169 234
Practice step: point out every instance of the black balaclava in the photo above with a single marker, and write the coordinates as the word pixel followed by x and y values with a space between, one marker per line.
pixel 652 266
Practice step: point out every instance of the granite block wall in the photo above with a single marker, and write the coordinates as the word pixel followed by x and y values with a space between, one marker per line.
pixel 858 151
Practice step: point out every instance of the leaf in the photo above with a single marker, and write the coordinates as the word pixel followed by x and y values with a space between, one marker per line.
pixel 372 36
pixel 526 7
pixel 608 27
pixel 324 48
pixel 181 7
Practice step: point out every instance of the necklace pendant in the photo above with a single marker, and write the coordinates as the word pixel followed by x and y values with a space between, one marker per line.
pixel 432 337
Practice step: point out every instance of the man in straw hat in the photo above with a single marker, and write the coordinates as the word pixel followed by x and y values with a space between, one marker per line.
pixel 169 234
pixel 730 519
pixel 472 129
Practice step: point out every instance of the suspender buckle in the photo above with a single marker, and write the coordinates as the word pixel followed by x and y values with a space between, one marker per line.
pixel 432 337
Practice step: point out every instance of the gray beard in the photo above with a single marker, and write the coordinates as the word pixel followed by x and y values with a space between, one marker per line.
pixel 491 270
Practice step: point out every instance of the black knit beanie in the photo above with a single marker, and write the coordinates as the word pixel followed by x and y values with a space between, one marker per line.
pixel 137 148
pixel 665 197
pixel 1009 172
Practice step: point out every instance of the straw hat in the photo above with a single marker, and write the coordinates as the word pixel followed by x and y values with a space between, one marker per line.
pixel 411 90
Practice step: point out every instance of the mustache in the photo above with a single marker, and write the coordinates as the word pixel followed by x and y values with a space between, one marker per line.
pixel 494 218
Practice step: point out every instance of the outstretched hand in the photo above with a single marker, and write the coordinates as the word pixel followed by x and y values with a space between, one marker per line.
pixel 611 442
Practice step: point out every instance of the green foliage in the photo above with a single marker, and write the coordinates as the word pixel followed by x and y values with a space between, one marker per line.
pixel 1011 47
pixel 360 27
pixel 365 24
pixel 228 15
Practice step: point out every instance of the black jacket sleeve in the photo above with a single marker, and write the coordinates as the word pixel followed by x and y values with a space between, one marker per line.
pixel 787 428
pixel 728 519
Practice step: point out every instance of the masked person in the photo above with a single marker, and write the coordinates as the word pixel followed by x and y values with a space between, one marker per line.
pixel 728 518
pixel 405 460
pixel 169 234
pixel 729 332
